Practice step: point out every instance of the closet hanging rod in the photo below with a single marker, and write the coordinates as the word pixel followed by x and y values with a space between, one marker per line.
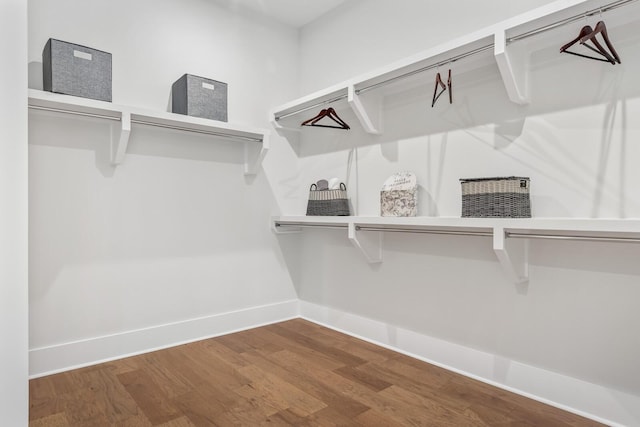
pixel 392 230
pixel 311 107
pixel 508 234
pixel 148 123
pixel 574 237
pixel 77 113
pixel 303 225
pixel 201 131
pixel 426 231
pixel 425 68
pixel 569 20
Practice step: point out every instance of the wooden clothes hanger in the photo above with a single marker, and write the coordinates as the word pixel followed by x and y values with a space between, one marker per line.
pixel 443 88
pixel 321 114
pixel 588 34
pixel 584 32
pixel 327 112
pixel 335 117
pixel 601 28
pixel 450 87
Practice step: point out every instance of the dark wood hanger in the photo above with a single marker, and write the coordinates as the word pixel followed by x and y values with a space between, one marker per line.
pixel 601 28
pixel 328 112
pixel 585 32
pixel 450 87
pixel 443 87
pixel 333 115
pixel 321 114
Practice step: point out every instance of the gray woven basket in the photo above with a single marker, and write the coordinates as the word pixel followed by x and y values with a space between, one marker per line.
pixel 501 197
pixel 328 202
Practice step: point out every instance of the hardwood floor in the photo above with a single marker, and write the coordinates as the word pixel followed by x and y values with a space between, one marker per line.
pixel 290 373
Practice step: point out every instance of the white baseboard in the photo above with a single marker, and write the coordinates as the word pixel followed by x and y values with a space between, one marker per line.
pixel 605 405
pixel 72 355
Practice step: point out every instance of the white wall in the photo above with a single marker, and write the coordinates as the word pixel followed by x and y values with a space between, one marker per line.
pixel 14 405
pixel 177 232
pixel 365 34
pixel 576 142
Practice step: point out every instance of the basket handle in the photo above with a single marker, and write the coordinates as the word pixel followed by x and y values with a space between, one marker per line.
pixel 343 187
pixel 313 189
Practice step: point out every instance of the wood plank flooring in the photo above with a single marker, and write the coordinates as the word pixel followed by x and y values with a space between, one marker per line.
pixel 290 373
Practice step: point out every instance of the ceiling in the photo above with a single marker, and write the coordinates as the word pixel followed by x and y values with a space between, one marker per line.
pixel 295 13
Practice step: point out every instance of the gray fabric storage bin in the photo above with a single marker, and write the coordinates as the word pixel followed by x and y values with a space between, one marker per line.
pixel 199 97
pixel 76 70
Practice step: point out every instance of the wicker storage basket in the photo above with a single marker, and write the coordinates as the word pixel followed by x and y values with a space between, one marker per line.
pixel 503 197
pixel 328 202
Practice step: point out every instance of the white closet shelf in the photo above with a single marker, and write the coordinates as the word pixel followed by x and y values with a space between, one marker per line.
pixel 495 44
pixel 256 140
pixel 509 235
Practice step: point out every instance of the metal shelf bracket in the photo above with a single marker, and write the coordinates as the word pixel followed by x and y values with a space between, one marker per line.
pixel 120 140
pixel 368 111
pixel 254 154
pixel 369 243
pixel 513 255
